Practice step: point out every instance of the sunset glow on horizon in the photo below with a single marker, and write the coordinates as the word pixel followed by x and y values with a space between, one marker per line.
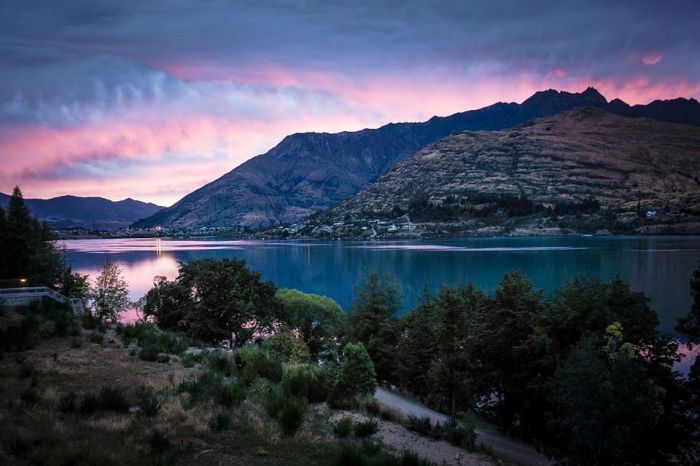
pixel 152 100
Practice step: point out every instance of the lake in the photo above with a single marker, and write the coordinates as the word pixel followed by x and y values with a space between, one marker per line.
pixel 659 266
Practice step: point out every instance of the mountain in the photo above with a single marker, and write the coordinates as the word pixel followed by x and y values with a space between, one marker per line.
pixel 92 213
pixel 308 172
pixel 582 170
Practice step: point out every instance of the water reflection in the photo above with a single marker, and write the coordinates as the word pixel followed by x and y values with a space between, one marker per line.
pixel 659 266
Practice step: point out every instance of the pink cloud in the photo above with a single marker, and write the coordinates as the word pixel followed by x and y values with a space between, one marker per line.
pixel 652 58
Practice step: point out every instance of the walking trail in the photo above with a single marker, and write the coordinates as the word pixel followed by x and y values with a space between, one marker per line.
pixel 505 447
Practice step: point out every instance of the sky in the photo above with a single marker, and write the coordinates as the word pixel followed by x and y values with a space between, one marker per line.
pixel 153 99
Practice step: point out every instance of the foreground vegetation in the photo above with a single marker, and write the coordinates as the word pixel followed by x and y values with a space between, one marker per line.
pixel 582 374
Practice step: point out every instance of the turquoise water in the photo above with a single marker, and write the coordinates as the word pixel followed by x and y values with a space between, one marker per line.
pixel 659 266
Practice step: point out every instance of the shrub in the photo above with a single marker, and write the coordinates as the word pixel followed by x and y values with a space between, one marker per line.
pixel 351 455
pixel 306 381
pixel 366 428
pixel 222 362
pixel 356 374
pixel 255 362
pixel 292 415
pixel 68 403
pixel 220 422
pixel 109 399
pixel 460 433
pixel 159 442
pixel 274 401
pixel 388 415
pixel 190 358
pixel 370 405
pixel 288 348
pixel 163 358
pixel 97 337
pixel 422 425
pixel 231 394
pixel 29 396
pixel 343 427
pixel 147 401
pixel 148 353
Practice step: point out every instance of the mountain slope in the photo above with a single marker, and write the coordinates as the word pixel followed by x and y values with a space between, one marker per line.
pixel 87 212
pixel 309 172
pixel 570 163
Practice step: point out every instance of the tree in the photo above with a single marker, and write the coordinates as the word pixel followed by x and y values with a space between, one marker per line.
pixel 74 285
pixel 110 293
pixel 456 317
pixel 372 321
pixel 690 325
pixel 28 249
pixel 214 300
pixel 507 324
pixel 169 303
pixel 609 409
pixel 288 347
pixel 356 375
pixel 317 319
pixel 417 346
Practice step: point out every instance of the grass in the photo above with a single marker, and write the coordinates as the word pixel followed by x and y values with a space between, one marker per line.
pixel 306 381
pixel 147 401
pixel 292 415
pixel 366 428
pixel 343 428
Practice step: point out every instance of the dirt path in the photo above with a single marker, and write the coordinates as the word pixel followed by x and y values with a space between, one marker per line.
pixel 503 446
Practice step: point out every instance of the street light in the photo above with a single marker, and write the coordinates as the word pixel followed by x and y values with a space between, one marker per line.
pixel 23 281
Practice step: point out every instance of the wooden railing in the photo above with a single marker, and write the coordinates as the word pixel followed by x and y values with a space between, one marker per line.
pixel 25 295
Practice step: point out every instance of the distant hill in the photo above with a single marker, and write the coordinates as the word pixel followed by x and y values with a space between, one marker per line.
pixel 582 170
pixel 308 172
pixel 92 213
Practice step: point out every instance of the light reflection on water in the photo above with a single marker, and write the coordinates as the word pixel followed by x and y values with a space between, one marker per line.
pixel 659 266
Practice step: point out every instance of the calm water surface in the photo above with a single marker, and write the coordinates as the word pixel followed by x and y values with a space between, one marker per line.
pixel 659 266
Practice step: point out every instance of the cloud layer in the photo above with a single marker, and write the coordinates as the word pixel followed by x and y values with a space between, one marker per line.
pixel 152 99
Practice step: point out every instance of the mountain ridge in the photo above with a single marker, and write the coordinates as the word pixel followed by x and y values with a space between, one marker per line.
pixel 92 213
pixel 310 172
pixel 583 171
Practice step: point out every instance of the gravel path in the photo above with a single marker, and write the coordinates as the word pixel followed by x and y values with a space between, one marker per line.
pixel 508 448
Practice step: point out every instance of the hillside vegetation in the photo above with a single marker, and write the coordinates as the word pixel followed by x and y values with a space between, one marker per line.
pixel 584 170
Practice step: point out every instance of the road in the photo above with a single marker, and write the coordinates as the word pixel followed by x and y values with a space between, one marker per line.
pixel 505 447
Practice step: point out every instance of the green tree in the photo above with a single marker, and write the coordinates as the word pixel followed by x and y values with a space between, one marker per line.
pixel 28 247
pixel 417 346
pixel 110 293
pixel 356 374
pixel 372 321
pixel 216 300
pixel 169 303
pixel 690 325
pixel 287 347
pixel 317 319
pixel 609 409
pixel 506 326
pixel 74 285
pixel 454 365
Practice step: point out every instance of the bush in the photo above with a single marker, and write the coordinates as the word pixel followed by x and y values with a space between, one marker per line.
pixel 460 433
pixel 222 362
pixel 151 340
pixel 163 358
pixel 292 415
pixel 147 401
pixel 343 428
pixel 220 422
pixel 288 348
pixel 255 362
pixel 68 403
pixel 109 399
pixel 422 425
pixel 366 428
pixel 97 337
pixel 211 385
pixel 159 442
pixel 306 381
pixel 356 374
pixel 274 401
pixel 190 358
pixel 370 405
